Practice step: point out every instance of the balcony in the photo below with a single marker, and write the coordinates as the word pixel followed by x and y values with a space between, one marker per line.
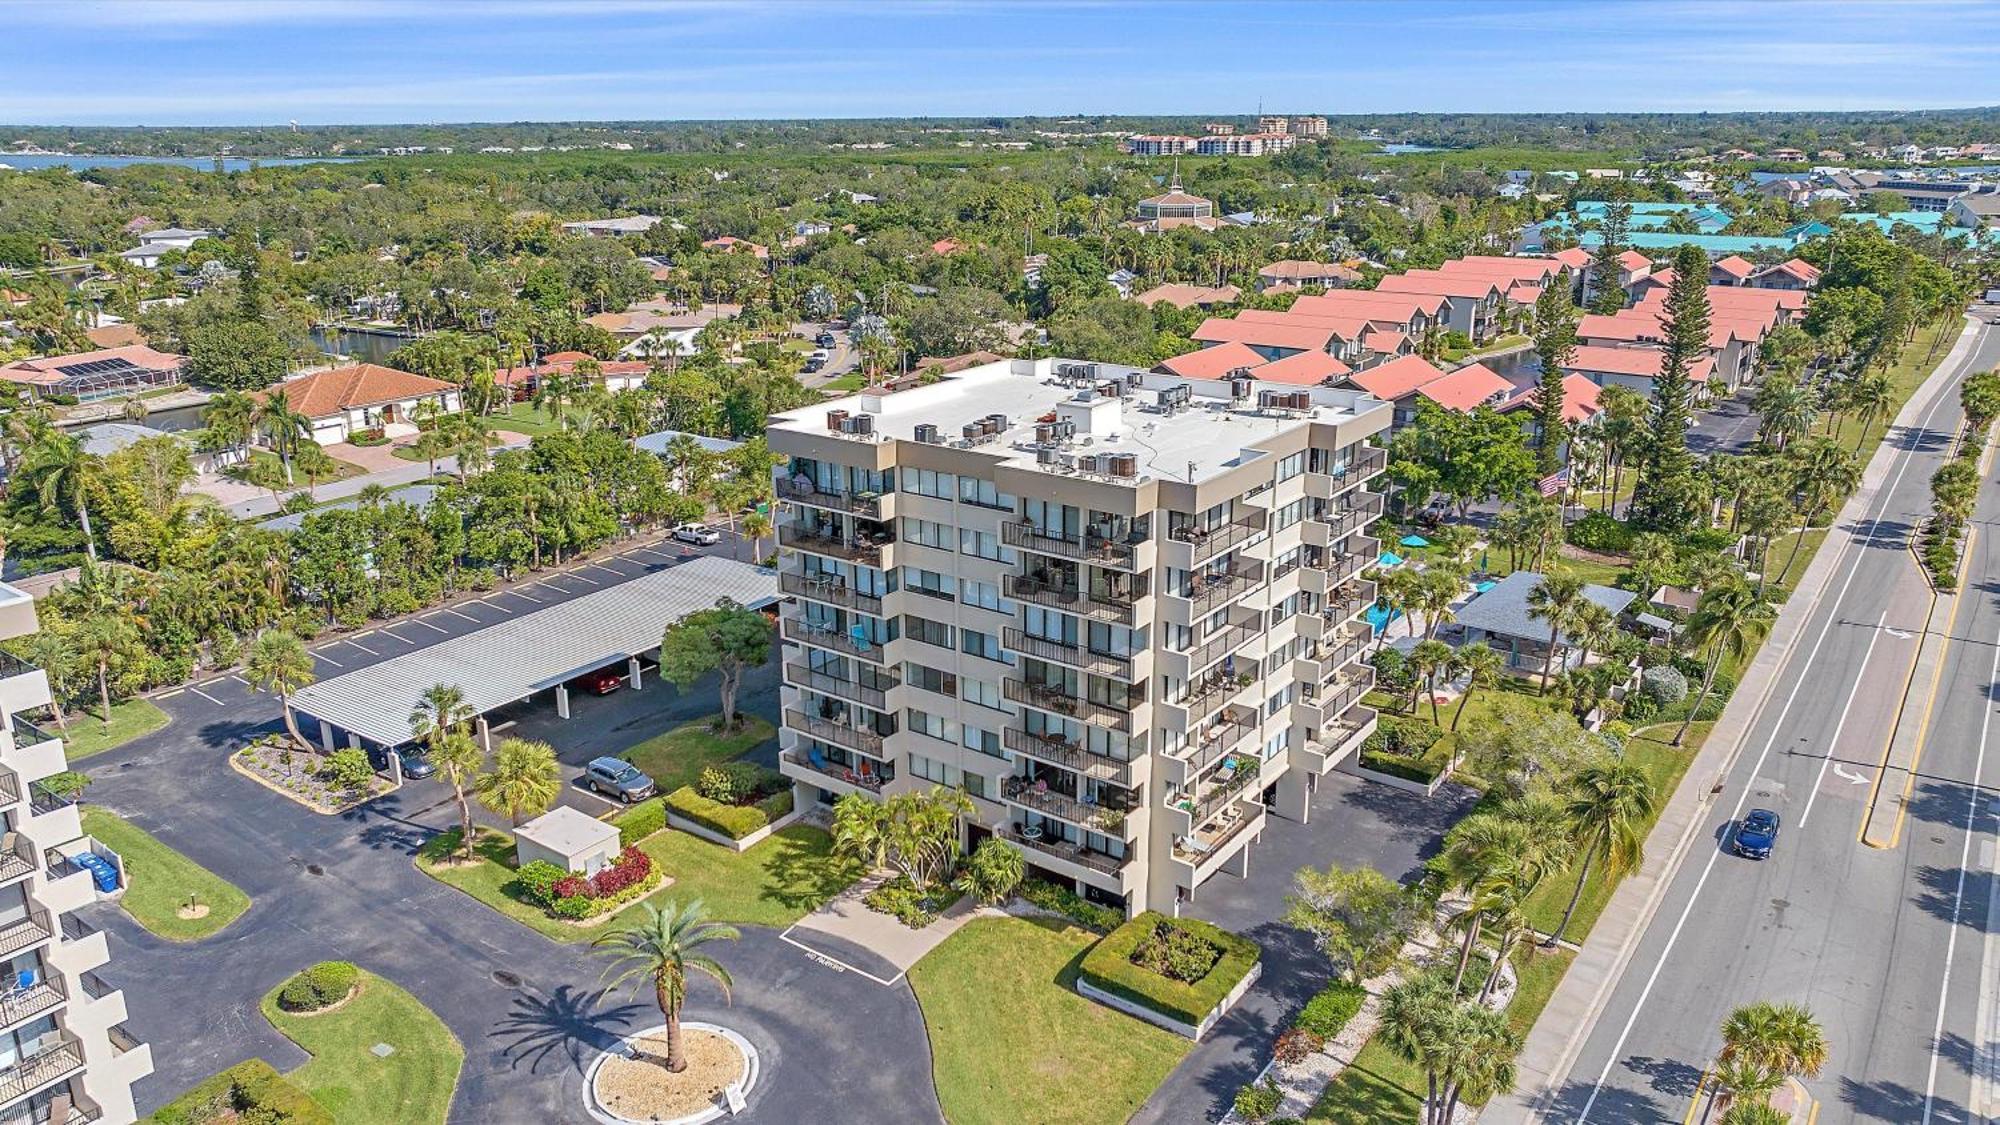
pixel 1204 748
pixel 17 857
pixel 26 933
pixel 1057 701
pixel 830 592
pixel 1207 593
pixel 870 781
pixel 806 537
pixel 1073 655
pixel 29 734
pixel 839 734
pixel 10 787
pixel 870 694
pixel 1066 851
pixel 1334 742
pixel 1033 795
pixel 1062 752
pixel 1207 845
pixel 1206 543
pixel 1343 521
pixel 1218 789
pixel 867 505
pixel 1073 599
pixel 832 638
pixel 59 1057
pixel 1362 466
pixel 1211 651
pixel 1327 658
pixel 1093 547
pixel 22 1005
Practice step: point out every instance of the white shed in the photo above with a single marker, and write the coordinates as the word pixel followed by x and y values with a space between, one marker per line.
pixel 567 838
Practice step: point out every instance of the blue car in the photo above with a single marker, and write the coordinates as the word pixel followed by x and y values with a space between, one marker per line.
pixel 1757 834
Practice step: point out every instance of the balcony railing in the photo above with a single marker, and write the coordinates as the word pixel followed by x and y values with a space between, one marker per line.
pixel 1028 794
pixel 1213 650
pixel 871 781
pixel 806 537
pixel 1195 850
pixel 839 734
pixel 29 931
pixel 1214 591
pixel 1072 599
pixel 1092 547
pixel 60 1058
pixel 831 592
pixel 871 694
pixel 10 787
pixel 1064 850
pixel 1341 607
pixel 1213 795
pixel 44 801
pixel 30 734
pixel 1061 752
pixel 17 857
pixel 1210 542
pixel 11 665
pixel 1056 701
pixel 1341 521
pixel 868 505
pixel 829 637
pixel 27 1003
pixel 1074 655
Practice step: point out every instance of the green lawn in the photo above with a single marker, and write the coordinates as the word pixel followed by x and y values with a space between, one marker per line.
pixel 677 757
pixel 160 880
pixel 1012 1041
pixel 263 460
pixel 772 884
pixel 88 734
pixel 522 418
pixel 1479 709
pixel 413 1083
pixel 846 384
pixel 1539 971
pixel 1378 1087
pixel 1649 747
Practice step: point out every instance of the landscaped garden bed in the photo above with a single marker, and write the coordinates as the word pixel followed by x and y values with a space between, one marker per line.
pixel 328 783
pixel 579 898
pixel 350 1072
pixel 900 899
pixel 632 1083
pixel 1179 973
pixel 1413 750
pixel 1053 898
pixel 250 1091
pixel 734 804
pixel 541 896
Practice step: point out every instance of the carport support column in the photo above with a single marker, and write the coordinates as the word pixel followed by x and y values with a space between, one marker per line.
pixel 632 669
pixel 326 736
pixel 485 733
pixel 562 701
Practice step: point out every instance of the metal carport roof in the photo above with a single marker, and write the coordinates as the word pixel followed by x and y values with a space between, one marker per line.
pixel 514 659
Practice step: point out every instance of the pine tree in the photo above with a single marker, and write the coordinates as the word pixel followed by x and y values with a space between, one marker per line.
pixel 1606 296
pixel 1555 343
pixel 1664 499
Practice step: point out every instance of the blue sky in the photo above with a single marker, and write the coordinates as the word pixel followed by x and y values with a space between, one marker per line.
pixel 209 62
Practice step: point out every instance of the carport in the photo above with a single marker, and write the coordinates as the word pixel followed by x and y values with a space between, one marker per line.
pixel 510 661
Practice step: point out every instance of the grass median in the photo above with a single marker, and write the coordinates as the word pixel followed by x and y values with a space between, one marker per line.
pixel 166 892
pixel 352 1077
pixel 89 734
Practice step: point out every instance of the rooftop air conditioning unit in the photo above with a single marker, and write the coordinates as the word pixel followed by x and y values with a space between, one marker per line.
pixel 1045 456
pixel 836 421
pixel 1124 464
pixel 1240 384
pixel 927 434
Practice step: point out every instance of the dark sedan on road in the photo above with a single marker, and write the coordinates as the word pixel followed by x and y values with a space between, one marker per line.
pixel 1757 834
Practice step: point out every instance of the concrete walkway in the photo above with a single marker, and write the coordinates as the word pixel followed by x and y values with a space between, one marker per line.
pixel 873 944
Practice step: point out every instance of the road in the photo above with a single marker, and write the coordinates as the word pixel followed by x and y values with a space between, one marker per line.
pixel 1872 940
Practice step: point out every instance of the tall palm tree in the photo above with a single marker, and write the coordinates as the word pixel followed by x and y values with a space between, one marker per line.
pixel 1427 659
pixel 1730 619
pixel 1465 1050
pixel 1525 834
pixel 1555 600
pixel 1821 472
pixel 459 758
pixel 1608 804
pixel 524 781
pixel 663 948
pixel 1595 629
pixel 64 473
pixel 1482 666
pixel 283 427
pixel 279 663
pixel 104 639
pixel 440 710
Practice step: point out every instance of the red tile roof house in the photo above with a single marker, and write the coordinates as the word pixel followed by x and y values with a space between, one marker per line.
pixel 1732 342
pixel 1468 388
pixel 88 376
pixel 614 374
pixel 1637 368
pixel 1269 340
pixel 1300 369
pixel 1397 382
pixel 1733 270
pixel 1582 406
pixel 1299 274
pixel 1794 274
pixel 344 401
pixel 1472 302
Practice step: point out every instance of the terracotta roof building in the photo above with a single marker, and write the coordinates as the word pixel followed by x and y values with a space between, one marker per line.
pixel 344 401
pixel 1291 271
pixel 104 373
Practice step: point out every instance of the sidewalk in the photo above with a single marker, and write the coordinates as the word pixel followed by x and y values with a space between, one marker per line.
pixel 1552 1045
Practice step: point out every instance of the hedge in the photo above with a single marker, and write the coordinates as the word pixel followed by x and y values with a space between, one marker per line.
pixel 640 821
pixel 238 1093
pixel 1057 899
pixel 1109 966
pixel 319 986
pixel 1328 1012
pixel 733 821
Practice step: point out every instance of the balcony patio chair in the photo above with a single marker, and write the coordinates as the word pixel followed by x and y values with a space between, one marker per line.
pixel 22 983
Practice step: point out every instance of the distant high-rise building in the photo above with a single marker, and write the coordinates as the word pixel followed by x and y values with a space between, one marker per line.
pixel 1273 123
pixel 1218 128
pixel 1308 127
pixel 1158 145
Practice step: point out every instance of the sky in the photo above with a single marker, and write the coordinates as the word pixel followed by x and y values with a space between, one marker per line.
pixel 247 62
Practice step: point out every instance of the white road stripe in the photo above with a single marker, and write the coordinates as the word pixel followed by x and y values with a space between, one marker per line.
pixel 582 577
pixel 524 595
pixel 330 660
pixel 1833 743
pixel 835 962
pixel 392 632
pixel 206 696
pixel 605 569
pixel 460 616
pixel 362 647
pixel 1979 1049
pixel 652 552
pixel 428 625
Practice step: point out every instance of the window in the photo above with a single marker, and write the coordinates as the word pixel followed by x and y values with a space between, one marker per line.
pixel 974 783
pixel 930 679
pixel 926 533
pixel 1289 515
pixel 933 726
pixel 928 482
pixel 985 545
pixel 985 595
pixel 980 692
pixel 927 582
pixel 930 769
pixel 986 645
pixel 983 493
pixel 1050 625
pixel 928 631
pixel 1292 466
pixel 985 741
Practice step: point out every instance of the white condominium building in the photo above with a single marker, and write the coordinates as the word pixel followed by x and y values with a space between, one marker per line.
pixel 1119 609
pixel 65 1057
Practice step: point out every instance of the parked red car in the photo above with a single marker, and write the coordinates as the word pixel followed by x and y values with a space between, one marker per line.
pixel 604 681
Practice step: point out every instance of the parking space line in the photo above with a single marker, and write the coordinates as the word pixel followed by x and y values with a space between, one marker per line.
pixel 553 588
pixel 358 636
pixel 241 680
pixel 427 625
pixel 460 616
pixel 210 683
pixel 652 552
pixel 330 660
pixel 605 569
pixel 835 962
pixel 205 695
pixel 521 595
pixel 363 648
pixel 581 578
pixel 170 694
pixel 398 636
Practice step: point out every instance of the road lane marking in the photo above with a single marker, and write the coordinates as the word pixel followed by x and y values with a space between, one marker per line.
pixel 428 625
pixel 1900 634
pixel 1854 778
pixel 205 695
pixel 363 648
pixel 1985 1064
pixel 1924 720
pixel 1958 895
pixel 241 680
pixel 833 962
pixel 1855 544
pixel 1839 725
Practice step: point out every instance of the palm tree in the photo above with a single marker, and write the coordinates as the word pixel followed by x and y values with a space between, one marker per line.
pixel 459 758
pixel 1427 659
pixel 280 663
pixel 1524 834
pixel 283 426
pixel 663 947
pixel 1594 628
pixel 1555 599
pixel 1482 666
pixel 1436 589
pixel 1730 618
pixel 524 781
pixel 1609 803
pixel 103 639
pixel 439 711
pixel 1821 473
pixel 63 472
pixel 1465 1050
pixel 756 525
pixel 1870 396
pixel 1764 1044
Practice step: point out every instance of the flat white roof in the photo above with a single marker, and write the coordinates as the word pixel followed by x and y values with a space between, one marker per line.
pixel 1196 442
pixel 566 831
pixel 510 661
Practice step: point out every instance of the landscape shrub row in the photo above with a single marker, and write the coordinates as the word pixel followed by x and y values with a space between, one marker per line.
pixel 568 895
pixel 1058 899
pixel 1110 967
pixel 733 821
pixel 319 986
pixel 900 899
pixel 250 1093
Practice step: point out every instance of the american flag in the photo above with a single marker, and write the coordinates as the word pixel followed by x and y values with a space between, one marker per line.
pixel 1555 482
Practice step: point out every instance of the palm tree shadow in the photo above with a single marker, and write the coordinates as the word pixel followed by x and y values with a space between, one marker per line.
pixel 566 1027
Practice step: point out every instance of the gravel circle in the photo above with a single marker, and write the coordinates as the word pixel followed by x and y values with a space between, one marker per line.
pixel 640 1088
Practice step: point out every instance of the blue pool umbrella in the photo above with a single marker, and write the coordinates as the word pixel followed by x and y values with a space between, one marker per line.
pixel 1415 541
pixel 1390 559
